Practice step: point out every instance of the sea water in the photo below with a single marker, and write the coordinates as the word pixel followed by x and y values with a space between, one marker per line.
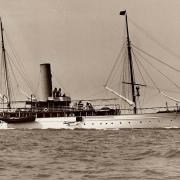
pixel 90 154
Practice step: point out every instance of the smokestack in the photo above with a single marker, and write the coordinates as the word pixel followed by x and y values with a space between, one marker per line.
pixel 46 81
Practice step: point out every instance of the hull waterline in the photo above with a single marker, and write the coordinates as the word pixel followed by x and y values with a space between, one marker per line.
pixel 159 120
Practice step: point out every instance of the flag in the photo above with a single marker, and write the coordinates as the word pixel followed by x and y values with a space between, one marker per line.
pixel 122 12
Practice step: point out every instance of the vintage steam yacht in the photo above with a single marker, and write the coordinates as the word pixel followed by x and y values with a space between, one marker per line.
pixel 57 111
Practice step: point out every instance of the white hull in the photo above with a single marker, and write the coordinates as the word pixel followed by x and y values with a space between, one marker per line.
pixel 159 120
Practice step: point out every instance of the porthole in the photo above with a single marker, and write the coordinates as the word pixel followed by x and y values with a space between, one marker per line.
pixel 120 122
pixel 140 121
pixel 100 123
pixel 149 121
pixel 92 123
pixel 84 124
pixel 112 123
pixel 106 123
pixel 129 122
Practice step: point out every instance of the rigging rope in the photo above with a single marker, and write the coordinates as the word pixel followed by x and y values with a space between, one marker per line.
pixel 147 73
pixel 176 100
pixel 38 85
pixel 138 98
pixel 19 65
pixel 115 64
pixel 8 81
pixel 161 72
pixel 155 40
pixel 20 73
pixel 126 78
pixel 157 59
pixel 10 69
pixel 17 84
pixel 138 67
pixel 55 77
pixel 91 100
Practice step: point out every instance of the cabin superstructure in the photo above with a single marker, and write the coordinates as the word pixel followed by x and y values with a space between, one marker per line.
pixel 49 98
pixel 54 103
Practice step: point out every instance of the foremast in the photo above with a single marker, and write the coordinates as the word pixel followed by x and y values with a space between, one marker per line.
pixel 5 67
pixel 130 64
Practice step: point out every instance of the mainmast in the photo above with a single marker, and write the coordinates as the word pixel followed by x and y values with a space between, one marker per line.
pixel 5 67
pixel 130 63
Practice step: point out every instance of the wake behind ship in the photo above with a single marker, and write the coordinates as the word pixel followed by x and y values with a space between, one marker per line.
pixel 54 109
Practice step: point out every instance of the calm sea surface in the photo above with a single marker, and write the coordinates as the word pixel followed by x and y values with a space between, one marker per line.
pixel 89 154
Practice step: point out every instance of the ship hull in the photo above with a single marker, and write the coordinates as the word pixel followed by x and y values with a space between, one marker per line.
pixel 158 120
pixel 14 120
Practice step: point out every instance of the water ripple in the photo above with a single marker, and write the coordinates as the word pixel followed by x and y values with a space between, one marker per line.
pixel 89 154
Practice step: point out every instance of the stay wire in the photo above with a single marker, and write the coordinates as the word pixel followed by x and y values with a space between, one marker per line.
pixel 167 49
pixel 15 55
pixel 1 79
pixel 10 69
pixel 121 67
pixel 139 62
pixel 8 79
pixel 114 65
pixel 161 72
pixel 13 74
pixel 115 71
pixel 147 72
pixel 157 59
pixel 135 60
pixel 25 80
pixel 138 68
pixel 60 84
pixel 37 86
pixel 20 66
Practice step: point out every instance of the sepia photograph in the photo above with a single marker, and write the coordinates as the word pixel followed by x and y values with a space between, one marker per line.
pixel 89 89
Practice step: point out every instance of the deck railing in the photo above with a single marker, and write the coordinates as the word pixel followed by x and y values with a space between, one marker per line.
pixel 95 108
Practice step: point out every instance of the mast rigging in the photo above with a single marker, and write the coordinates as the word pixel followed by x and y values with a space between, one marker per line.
pixel 130 63
pixel 5 67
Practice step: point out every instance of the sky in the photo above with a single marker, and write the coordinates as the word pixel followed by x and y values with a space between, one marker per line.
pixel 81 38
